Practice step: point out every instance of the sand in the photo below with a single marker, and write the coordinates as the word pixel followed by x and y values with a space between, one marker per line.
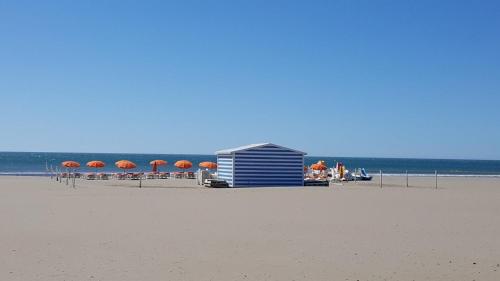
pixel 173 230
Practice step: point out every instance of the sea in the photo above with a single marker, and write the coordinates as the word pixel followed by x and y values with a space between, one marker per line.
pixel 38 163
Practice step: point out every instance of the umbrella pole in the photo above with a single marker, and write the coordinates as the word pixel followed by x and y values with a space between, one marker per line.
pixel 67 176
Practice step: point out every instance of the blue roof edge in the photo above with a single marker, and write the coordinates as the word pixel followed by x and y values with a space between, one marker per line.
pixel 257 145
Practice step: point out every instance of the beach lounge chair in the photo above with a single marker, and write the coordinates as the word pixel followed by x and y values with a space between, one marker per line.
pixel 178 175
pixel 103 176
pixel 216 183
pixel 120 176
pixel 136 176
pixel 322 177
pixel 190 175
pixel 90 176
pixel 151 176
pixel 164 175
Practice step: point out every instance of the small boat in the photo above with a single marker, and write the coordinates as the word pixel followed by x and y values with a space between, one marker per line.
pixel 362 175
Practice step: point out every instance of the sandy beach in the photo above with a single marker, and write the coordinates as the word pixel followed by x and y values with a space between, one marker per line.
pixel 174 230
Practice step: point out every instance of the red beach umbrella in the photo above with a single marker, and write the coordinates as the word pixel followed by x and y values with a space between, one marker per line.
pixel 183 164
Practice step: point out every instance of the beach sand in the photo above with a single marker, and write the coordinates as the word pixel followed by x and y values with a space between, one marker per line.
pixel 173 230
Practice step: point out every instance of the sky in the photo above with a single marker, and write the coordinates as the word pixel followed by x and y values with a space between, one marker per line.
pixel 417 79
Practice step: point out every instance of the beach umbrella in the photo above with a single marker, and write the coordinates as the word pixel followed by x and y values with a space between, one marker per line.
pixel 125 165
pixel 318 167
pixel 70 164
pixel 96 164
pixel 156 163
pixel 208 165
pixel 183 164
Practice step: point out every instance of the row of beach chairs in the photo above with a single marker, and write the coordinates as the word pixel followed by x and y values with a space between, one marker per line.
pixel 166 175
pixel 71 175
pixel 130 176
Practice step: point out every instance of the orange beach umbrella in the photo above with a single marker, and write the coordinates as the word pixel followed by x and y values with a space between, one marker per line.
pixel 70 164
pixel 125 164
pixel 183 164
pixel 208 165
pixel 96 164
pixel 318 167
pixel 158 162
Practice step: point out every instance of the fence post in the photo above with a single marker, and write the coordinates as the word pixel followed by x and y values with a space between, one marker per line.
pixel 406 178
pixel 436 173
pixel 380 178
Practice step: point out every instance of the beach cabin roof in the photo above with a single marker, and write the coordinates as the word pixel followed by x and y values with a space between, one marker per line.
pixel 257 145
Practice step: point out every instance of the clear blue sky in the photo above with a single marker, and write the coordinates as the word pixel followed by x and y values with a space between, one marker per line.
pixel 332 78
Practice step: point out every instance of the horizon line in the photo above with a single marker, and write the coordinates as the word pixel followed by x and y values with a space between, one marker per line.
pixel 149 153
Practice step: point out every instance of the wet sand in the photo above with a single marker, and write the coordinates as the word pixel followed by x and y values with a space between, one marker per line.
pixel 174 230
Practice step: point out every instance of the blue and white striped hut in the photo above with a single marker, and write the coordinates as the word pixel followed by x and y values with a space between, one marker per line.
pixel 264 164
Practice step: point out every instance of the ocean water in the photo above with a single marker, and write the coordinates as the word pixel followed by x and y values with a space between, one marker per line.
pixel 34 163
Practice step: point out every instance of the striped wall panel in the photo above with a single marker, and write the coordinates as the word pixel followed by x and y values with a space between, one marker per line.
pixel 225 168
pixel 268 166
pixel 261 165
